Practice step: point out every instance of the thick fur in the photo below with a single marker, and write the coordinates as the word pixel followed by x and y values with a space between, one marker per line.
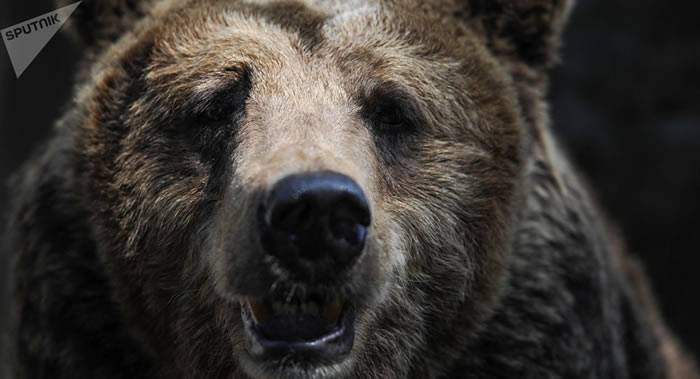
pixel 487 257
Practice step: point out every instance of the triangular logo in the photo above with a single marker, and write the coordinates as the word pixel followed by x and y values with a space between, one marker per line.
pixel 25 40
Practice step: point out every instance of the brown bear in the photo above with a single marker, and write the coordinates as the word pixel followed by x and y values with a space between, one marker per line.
pixel 321 189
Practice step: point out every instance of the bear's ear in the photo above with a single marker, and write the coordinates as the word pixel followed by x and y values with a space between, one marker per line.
pixel 99 22
pixel 526 30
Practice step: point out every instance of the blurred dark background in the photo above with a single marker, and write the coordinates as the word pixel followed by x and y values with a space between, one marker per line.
pixel 625 102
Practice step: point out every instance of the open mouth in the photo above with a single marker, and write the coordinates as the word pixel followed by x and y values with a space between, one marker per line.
pixel 311 329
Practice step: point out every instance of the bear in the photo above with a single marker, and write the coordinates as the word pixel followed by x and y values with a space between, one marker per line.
pixel 321 189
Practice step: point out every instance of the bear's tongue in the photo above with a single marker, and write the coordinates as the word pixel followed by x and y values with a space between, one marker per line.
pixel 295 321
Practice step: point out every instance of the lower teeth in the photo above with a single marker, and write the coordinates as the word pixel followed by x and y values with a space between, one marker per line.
pixel 262 311
pixel 332 311
pixel 305 308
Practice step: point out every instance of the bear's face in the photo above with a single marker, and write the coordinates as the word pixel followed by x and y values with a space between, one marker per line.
pixel 302 190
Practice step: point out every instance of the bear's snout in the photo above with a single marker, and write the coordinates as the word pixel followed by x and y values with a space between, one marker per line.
pixel 315 224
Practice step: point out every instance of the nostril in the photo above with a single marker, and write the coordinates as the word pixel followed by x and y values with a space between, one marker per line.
pixel 291 216
pixel 348 236
pixel 349 224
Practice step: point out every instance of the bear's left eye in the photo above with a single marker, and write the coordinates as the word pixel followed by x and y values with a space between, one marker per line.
pixel 393 113
pixel 389 115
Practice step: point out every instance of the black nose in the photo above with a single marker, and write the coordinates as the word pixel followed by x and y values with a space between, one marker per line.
pixel 315 223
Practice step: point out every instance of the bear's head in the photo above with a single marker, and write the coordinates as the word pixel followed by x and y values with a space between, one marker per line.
pixel 309 188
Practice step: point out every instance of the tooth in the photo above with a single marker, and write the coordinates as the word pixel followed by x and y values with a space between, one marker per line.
pixel 332 310
pixel 258 310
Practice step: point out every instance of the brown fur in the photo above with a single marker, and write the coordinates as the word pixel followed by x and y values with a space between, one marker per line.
pixel 486 257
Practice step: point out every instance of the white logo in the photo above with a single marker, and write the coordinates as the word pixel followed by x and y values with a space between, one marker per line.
pixel 25 40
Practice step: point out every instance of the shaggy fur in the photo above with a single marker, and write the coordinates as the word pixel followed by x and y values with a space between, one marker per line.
pixel 487 258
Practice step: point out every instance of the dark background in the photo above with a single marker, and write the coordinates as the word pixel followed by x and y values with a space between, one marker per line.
pixel 626 104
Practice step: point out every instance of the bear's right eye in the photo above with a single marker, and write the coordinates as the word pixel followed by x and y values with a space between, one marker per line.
pixel 225 105
pixel 206 122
